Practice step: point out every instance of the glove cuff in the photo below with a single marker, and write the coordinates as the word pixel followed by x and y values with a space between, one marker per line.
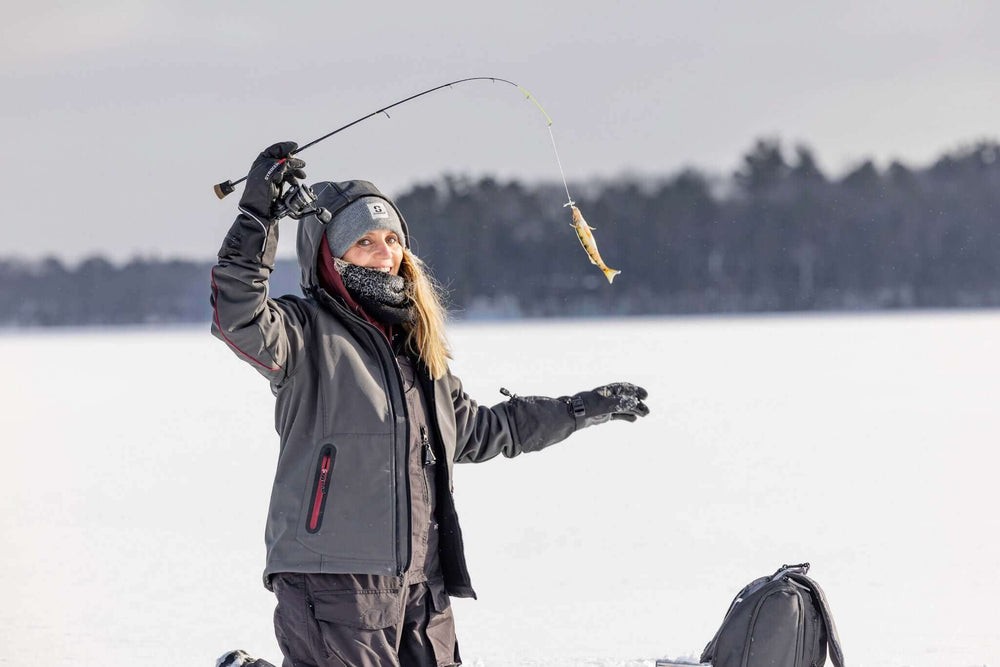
pixel 577 409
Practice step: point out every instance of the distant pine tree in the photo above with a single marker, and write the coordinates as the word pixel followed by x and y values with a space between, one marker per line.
pixel 779 235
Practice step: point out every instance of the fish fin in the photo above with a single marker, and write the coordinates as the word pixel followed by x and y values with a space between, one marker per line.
pixel 610 274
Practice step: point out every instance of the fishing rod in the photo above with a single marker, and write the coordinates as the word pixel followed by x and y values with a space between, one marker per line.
pixel 227 187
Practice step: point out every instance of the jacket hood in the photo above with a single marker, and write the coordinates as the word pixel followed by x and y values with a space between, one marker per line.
pixel 334 197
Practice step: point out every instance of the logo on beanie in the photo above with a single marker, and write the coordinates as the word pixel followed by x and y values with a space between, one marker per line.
pixel 378 211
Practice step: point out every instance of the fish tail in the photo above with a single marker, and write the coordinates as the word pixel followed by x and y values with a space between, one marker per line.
pixel 610 274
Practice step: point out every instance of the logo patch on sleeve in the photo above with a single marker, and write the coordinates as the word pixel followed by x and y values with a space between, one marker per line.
pixel 378 211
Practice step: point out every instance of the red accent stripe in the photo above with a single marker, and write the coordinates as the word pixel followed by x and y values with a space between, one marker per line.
pixel 215 310
pixel 320 486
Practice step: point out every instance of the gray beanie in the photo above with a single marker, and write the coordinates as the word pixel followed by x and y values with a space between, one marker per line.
pixel 357 219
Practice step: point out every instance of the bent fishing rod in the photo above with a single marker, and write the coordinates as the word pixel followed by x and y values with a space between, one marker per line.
pixel 300 200
pixel 227 187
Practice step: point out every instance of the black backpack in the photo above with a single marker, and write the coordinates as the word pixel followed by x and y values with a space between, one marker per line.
pixel 782 620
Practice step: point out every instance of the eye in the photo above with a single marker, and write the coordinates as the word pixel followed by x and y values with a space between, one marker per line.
pixel 364 241
pixel 392 239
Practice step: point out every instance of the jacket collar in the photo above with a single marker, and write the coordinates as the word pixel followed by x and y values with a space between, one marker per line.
pixel 330 280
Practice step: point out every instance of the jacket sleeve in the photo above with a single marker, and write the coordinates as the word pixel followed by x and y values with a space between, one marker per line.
pixel 522 424
pixel 266 333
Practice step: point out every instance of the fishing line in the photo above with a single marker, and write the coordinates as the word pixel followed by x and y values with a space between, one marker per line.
pixel 569 200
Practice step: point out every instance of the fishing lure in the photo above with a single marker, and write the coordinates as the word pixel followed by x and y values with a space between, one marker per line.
pixel 582 228
pixel 590 244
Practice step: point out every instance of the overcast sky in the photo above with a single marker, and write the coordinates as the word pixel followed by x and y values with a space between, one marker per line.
pixel 118 117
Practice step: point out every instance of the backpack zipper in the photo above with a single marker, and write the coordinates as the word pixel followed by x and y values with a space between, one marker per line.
pixel 747 642
pixel 750 628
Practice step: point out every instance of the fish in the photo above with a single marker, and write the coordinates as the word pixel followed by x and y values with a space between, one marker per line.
pixel 589 243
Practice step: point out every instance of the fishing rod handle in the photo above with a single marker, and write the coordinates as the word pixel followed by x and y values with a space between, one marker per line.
pixel 225 188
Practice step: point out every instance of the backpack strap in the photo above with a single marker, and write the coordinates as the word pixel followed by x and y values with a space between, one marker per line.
pixel 832 638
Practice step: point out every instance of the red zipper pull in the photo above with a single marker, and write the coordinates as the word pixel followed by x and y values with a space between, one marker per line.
pixel 324 471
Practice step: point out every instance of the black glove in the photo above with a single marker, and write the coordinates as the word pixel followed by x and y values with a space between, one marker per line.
pixel 618 400
pixel 272 169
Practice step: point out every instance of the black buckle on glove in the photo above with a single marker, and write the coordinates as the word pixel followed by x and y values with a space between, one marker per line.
pixel 579 409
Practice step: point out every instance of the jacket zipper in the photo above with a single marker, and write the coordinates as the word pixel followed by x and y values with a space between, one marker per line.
pixel 320 489
pixel 429 460
pixel 403 554
pixel 403 548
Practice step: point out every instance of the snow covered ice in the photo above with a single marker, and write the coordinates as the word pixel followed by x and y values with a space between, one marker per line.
pixel 137 468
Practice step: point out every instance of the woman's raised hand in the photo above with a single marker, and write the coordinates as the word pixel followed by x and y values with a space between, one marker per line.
pixel 272 168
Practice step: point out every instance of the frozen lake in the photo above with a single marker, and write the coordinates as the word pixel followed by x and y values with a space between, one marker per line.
pixel 137 466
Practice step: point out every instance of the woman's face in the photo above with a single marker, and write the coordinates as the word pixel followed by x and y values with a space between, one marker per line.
pixel 379 249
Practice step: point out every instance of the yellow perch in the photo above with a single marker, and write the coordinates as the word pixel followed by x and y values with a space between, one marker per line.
pixel 589 244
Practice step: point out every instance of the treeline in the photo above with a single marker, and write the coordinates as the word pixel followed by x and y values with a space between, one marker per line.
pixel 778 235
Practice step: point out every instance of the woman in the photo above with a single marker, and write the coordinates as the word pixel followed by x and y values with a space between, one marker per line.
pixel 363 542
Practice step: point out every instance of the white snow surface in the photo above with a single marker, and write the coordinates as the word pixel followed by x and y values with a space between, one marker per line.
pixel 137 467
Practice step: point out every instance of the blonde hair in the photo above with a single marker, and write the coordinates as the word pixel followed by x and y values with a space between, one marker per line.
pixel 425 335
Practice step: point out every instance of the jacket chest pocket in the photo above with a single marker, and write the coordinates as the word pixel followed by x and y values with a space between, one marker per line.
pixel 345 515
pixel 321 489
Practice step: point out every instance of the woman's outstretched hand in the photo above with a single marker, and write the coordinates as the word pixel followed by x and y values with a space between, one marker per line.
pixel 618 400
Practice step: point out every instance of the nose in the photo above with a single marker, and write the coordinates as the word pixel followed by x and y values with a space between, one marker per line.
pixel 382 249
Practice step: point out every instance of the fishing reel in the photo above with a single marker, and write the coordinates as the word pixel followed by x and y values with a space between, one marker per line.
pixel 299 201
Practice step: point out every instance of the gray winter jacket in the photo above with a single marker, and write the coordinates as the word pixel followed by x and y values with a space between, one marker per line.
pixel 339 503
